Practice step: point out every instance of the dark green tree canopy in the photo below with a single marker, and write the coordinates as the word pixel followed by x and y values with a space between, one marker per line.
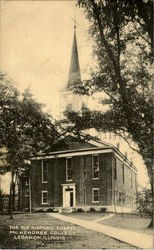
pixel 122 36
pixel 24 128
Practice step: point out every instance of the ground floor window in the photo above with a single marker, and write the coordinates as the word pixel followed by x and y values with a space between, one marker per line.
pixel 84 193
pixel 44 197
pixel 116 196
pixel 121 197
pixel 95 195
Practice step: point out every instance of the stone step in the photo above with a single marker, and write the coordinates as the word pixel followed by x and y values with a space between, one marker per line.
pixel 66 210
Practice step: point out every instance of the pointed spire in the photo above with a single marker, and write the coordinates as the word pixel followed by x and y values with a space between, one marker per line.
pixel 74 71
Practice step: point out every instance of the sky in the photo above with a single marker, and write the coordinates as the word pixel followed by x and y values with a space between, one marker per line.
pixel 35 46
pixel 36 40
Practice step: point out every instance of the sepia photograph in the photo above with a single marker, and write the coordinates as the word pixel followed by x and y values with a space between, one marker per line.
pixel 76 124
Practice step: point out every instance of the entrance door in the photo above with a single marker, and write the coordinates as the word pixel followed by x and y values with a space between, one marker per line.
pixel 67 199
pixel 69 195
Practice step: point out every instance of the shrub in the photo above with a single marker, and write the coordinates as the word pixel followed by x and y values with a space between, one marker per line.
pixel 80 210
pixel 103 209
pixel 39 210
pixel 50 209
pixel 92 209
pixel 144 202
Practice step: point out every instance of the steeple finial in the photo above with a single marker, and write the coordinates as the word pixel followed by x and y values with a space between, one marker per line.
pixel 74 71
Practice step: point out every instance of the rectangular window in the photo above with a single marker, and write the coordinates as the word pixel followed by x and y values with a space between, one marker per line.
pixel 95 195
pixel 44 197
pixel 27 182
pixel 116 196
pixel 95 167
pixel 123 173
pixel 84 166
pixel 131 179
pixel 26 186
pixel 26 190
pixel 84 192
pixel 44 171
pixel 69 169
pixel 115 169
pixel 121 197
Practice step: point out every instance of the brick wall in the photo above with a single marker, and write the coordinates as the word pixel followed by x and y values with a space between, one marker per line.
pixel 125 183
pixel 82 177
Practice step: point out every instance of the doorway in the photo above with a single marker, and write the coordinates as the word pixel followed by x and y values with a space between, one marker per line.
pixel 69 195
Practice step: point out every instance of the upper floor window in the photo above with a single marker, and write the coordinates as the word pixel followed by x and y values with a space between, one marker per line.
pixel 95 195
pixel 44 171
pixel 69 107
pixel 115 169
pixel 69 169
pixel 123 173
pixel 131 179
pixel 121 197
pixel 27 182
pixel 95 167
pixel 26 190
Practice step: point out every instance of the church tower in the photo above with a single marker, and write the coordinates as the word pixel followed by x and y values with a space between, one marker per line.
pixel 68 100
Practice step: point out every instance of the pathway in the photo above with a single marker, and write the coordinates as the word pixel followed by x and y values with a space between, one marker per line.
pixel 104 218
pixel 140 240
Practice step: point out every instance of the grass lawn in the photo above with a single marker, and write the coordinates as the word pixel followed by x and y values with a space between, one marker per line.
pixel 127 221
pixel 82 238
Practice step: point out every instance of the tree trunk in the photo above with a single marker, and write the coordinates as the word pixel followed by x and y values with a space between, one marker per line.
pixel 19 198
pixel 11 195
pixel 1 201
pixel 151 225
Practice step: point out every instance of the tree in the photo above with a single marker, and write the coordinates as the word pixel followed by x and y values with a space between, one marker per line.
pixel 144 202
pixel 122 35
pixel 24 128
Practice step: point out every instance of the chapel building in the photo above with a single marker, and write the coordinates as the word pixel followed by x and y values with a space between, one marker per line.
pixel 79 174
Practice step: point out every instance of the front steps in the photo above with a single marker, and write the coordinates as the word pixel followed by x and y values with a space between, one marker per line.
pixel 67 210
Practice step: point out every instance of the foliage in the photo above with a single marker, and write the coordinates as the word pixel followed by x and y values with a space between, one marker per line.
pixel 122 35
pixel 24 128
pixel 92 209
pixel 144 202
pixel 79 210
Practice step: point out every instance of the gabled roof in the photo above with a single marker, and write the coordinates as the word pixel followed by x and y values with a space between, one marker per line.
pixel 71 142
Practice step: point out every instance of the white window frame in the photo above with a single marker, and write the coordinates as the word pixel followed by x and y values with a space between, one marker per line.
pixel 116 196
pixel 131 179
pixel 43 192
pixel 67 169
pixel 93 201
pixel 27 182
pixel 95 178
pixel 42 171
pixel 123 173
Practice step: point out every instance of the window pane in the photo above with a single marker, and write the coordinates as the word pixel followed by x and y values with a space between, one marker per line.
pixel 44 197
pixel 123 173
pixel 115 169
pixel 69 169
pixel 27 190
pixel 96 195
pixel 95 166
pixel 45 171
